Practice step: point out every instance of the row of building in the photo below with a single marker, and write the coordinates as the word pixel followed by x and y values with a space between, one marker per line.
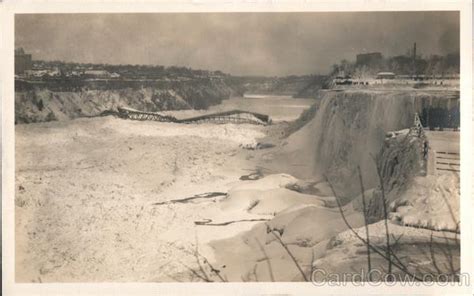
pixel 25 67
pixel 23 61
pixel 56 72
pixel 28 69
pixel 375 59
pixel 392 78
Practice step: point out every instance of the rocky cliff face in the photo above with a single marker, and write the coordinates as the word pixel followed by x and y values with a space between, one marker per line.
pixel 401 159
pixel 61 102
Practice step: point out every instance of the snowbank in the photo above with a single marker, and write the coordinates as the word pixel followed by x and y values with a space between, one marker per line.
pixel 266 202
pixel 302 228
pixel 268 182
pixel 301 220
pixel 345 253
pixel 413 197
pixel 86 189
pixel 430 202
pixel 265 197
pixel 307 225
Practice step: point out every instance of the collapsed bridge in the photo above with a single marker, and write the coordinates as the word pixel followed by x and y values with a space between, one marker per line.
pixel 233 116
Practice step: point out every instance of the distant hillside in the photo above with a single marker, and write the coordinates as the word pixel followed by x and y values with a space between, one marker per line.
pixel 312 89
pixel 289 85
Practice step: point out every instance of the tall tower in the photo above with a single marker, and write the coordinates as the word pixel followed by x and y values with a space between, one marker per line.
pixel 414 60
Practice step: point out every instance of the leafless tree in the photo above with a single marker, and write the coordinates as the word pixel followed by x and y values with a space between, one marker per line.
pixel 388 253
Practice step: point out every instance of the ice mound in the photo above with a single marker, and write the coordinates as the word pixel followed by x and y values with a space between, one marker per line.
pixel 307 225
pixel 268 196
pixel 303 228
pixel 267 202
pixel 402 233
pixel 267 182
pixel 430 202
pixel 345 252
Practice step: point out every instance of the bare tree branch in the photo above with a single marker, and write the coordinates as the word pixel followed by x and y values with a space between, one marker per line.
pixel 202 277
pixel 311 266
pixel 217 272
pixel 385 213
pixel 255 272
pixel 366 222
pixel 432 254
pixel 196 255
pixel 270 270
pixel 373 248
pixel 288 251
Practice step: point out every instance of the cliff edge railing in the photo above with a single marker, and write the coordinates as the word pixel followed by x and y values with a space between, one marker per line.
pixel 440 152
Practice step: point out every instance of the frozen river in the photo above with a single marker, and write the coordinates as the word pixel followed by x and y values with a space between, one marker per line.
pixel 279 108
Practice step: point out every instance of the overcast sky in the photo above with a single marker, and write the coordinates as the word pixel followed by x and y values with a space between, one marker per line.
pixel 236 43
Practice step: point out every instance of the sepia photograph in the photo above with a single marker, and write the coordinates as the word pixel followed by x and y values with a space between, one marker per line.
pixel 238 147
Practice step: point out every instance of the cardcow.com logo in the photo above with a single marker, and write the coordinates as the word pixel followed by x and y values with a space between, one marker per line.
pixel 375 277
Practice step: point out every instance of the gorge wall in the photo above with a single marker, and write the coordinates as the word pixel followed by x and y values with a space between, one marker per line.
pixel 38 102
